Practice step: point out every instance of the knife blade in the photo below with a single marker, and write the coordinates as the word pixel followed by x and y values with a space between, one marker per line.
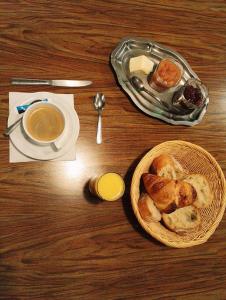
pixel 65 83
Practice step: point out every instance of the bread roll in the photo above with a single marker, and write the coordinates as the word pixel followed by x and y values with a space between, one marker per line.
pixel 201 185
pixel 183 219
pixel 168 194
pixel 148 210
pixel 186 194
pixel 167 166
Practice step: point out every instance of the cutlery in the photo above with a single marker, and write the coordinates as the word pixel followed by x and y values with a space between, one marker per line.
pixel 99 102
pixel 9 129
pixel 139 86
pixel 21 108
pixel 66 83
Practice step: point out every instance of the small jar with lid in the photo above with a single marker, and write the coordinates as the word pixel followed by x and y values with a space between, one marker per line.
pixel 108 186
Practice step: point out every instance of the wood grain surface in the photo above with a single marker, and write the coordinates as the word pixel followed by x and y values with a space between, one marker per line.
pixel 56 240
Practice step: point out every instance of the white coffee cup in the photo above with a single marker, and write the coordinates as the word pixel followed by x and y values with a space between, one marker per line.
pixel 44 124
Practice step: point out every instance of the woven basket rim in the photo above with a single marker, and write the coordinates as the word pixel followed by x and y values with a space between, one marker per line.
pixel 210 231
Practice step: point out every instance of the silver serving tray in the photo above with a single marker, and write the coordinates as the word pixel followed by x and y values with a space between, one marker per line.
pixel 130 47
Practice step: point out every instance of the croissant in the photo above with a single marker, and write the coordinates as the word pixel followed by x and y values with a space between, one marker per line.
pixel 168 194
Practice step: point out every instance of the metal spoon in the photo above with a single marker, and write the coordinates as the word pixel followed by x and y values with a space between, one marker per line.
pixel 139 86
pixel 99 102
pixel 9 129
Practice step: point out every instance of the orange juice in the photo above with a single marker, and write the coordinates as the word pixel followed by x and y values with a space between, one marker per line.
pixel 109 186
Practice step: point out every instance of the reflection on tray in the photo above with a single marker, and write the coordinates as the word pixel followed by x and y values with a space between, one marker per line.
pixel 160 81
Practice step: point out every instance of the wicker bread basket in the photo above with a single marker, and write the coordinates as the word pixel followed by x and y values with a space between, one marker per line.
pixel 193 159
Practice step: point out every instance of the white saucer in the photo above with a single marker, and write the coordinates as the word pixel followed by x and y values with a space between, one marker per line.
pixel 46 152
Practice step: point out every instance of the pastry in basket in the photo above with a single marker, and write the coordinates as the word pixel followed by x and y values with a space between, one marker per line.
pixel 173 195
pixel 182 219
pixel 168 194
pixel 201 185
pixel 167 166
pixel 204 192
pixel 148 210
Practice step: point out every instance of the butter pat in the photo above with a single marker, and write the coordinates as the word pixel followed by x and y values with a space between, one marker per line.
pixel 141 63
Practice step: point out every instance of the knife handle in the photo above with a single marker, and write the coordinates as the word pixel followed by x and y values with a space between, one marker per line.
pixel 24 81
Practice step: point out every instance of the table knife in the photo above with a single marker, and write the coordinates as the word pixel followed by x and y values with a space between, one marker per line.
pixel 66 83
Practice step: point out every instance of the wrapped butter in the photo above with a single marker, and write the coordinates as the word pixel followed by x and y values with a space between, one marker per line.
pixel 141 63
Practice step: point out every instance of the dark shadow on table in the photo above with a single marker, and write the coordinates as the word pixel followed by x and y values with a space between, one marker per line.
pixel 126 202
pixel 89 197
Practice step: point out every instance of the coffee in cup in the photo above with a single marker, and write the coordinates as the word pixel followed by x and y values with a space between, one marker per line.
pixel 43 123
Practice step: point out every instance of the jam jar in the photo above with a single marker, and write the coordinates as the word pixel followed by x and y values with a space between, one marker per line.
pixel 192 95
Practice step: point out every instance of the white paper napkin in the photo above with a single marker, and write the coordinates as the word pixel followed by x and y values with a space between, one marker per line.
pixel 16 99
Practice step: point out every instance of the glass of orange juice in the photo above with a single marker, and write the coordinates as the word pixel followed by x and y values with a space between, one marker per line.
pixel 109 186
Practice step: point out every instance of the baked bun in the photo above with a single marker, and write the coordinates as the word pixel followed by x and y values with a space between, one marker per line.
pixel 186 194
pixel 201 185
pixel 182 219
pixel 168 194
pixel 167 166
pixel 147 209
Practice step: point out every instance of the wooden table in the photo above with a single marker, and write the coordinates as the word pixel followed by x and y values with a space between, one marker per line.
pixel 57 241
